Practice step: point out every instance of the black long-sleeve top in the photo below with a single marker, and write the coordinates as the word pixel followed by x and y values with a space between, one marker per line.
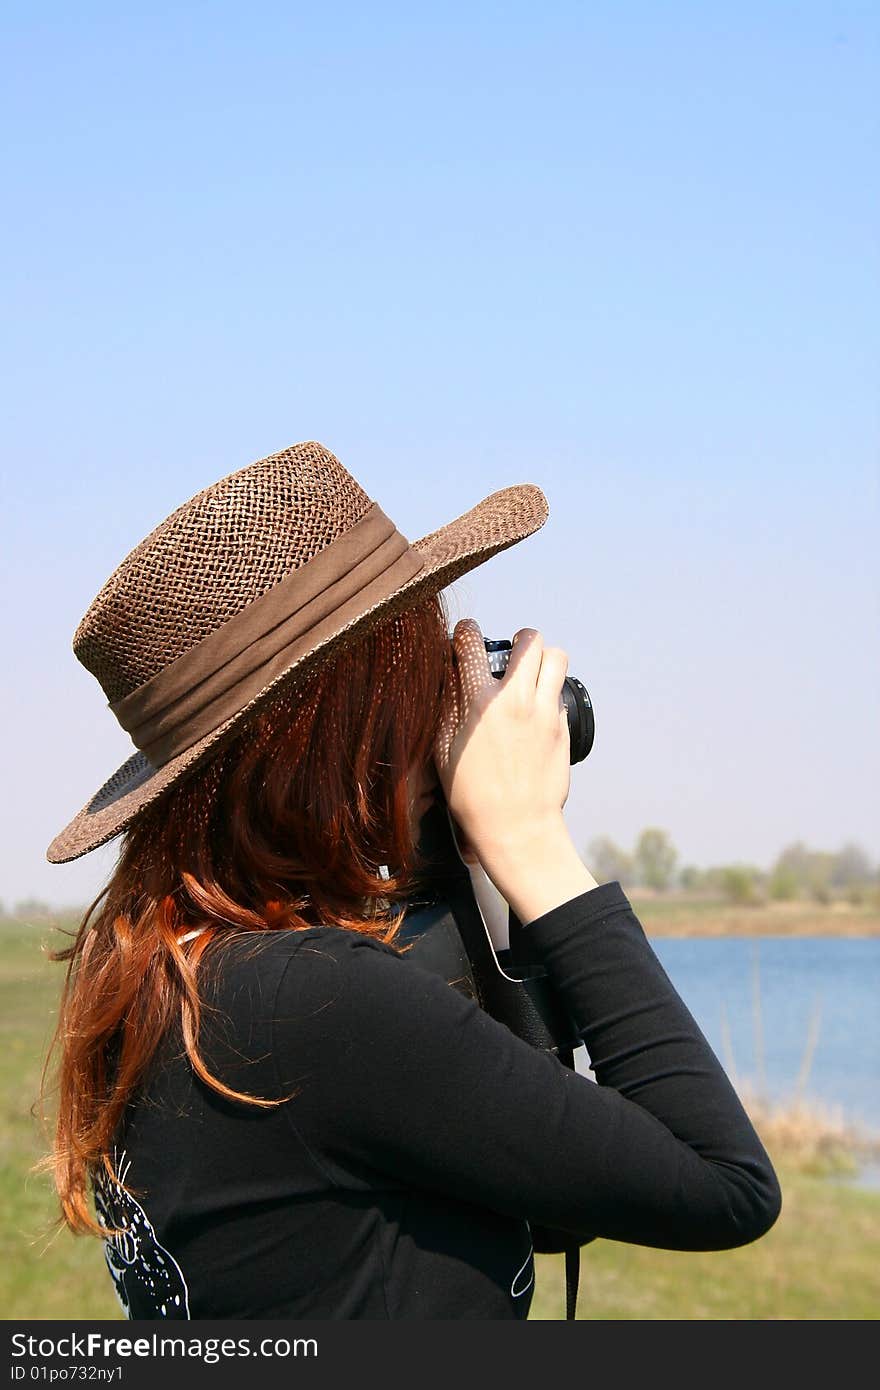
pixel 429 1150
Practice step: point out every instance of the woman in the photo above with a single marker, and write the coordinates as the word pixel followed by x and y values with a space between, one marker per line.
pixel 278 1112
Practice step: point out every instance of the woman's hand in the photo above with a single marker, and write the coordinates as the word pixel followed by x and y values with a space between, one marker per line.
pixel 502 751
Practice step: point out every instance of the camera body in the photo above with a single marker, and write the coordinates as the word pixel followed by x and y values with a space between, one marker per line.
pixel 578 705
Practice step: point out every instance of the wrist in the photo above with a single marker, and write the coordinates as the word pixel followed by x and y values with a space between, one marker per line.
pixel 539 871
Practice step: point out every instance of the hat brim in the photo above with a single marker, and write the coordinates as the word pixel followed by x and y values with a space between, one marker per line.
pixel 499 521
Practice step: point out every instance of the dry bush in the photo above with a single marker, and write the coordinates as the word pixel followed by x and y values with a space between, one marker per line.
pixel 808 1137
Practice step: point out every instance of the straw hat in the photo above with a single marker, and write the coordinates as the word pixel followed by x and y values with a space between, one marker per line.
pixel 251 584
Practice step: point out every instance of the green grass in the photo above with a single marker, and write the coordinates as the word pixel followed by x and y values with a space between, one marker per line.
pixel 818 1262
pixel 40 1276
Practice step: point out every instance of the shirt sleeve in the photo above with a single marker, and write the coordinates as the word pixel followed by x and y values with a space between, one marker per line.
pixel 409 1078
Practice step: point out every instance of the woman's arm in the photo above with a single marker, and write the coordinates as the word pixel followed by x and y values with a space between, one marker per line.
pixel 403 1076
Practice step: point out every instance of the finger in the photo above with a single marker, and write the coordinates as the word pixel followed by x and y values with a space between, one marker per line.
pixel 524 664
pixel 471 661
pixel 450 717
pixel 554 665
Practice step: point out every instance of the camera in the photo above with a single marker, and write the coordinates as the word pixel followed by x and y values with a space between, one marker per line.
pixel 578 705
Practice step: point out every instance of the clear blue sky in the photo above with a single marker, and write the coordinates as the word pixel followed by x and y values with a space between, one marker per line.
pixel 626 252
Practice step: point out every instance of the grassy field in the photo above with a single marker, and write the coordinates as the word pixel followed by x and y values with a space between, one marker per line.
pixel 818 1262
pixel 680 914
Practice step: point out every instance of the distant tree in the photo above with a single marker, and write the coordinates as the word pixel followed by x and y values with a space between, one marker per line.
pixel 819 882
pixel 609 862
pixel 691 878
pixel 713 880
pixel 783 884
pixel 655 858
pixel 741 883
pixel 859 893
pixel 851 867
pixel 31 907
pixel 793 865
pixel 809 871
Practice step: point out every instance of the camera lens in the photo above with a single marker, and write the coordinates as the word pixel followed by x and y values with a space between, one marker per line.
pixel 578 705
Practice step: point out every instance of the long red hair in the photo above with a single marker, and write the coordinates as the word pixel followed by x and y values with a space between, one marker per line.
pixel 285 828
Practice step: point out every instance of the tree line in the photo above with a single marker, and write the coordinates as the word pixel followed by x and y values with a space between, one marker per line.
pixel 797 873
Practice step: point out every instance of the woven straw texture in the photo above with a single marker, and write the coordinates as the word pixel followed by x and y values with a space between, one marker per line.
pixel 218 553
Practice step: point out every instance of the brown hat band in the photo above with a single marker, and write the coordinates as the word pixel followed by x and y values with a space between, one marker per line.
pixel 212 681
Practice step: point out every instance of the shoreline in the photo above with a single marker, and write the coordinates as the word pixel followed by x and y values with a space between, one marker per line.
pixel 674 915
pixel 677 917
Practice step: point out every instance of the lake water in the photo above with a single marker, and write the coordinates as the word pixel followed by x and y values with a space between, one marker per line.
pixel 759 1001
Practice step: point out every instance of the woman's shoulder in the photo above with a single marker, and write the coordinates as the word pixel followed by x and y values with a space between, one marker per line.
pixel 259 975
pixel 260 953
